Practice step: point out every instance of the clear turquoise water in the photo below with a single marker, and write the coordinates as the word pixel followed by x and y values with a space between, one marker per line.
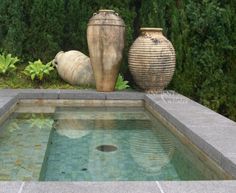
pixel 23 143
pixel 63 146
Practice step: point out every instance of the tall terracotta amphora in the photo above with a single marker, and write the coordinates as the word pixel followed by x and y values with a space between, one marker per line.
pixel 152 60
pixel 105 35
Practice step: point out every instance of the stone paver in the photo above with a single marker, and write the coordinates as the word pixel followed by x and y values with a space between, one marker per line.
pixel 125 95
pixel 83 94
pixel 8 92
pixel 91 187
pixel 120 187
pixel 10 187
pixel 199 187
pixel 6 103
pixel 38 94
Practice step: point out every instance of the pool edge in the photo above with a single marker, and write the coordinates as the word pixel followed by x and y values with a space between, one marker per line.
pixel 174 112
pixel 120 187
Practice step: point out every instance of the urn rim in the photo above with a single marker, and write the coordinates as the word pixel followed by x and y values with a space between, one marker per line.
pixel 106 10
pixel 151 29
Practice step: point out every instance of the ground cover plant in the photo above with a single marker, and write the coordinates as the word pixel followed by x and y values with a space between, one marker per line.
pixel 7 63
pixel 37 70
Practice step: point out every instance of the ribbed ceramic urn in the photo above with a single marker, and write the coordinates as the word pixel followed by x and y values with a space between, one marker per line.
pixel 105 35
pixel 152 60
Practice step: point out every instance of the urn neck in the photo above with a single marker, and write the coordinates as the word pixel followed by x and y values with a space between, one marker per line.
pixel 151 31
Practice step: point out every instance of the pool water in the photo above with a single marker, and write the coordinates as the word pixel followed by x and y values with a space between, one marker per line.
pixel 23 142
pixel 95 144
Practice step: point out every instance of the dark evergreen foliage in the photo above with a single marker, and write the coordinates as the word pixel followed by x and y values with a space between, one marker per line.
pixel 202 32
pixel 12 26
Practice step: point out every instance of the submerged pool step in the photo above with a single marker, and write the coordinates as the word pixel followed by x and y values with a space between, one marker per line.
pixel 23 143
pixel 33 109
pixel 99 115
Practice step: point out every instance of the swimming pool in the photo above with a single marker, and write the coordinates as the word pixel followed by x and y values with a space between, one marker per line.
pixel 55 143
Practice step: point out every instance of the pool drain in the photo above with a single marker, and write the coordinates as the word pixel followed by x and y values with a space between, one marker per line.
pixel 106 148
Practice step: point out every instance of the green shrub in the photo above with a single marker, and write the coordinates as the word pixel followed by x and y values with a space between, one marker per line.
pixel 203 34
pixel 121 84
pixel 7 63
pixel 38 70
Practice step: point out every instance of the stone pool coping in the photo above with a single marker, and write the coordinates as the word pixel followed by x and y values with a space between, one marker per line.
pixel 211 132
pixel 119 187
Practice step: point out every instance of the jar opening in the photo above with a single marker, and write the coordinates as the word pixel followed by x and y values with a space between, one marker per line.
pixel 151 29
pixel 106 10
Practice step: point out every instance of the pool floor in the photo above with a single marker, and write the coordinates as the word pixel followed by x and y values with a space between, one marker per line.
pixel 95 144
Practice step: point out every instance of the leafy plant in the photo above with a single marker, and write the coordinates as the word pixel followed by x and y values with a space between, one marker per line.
pixel 37 70
pixel 7 63
pixel 121 84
